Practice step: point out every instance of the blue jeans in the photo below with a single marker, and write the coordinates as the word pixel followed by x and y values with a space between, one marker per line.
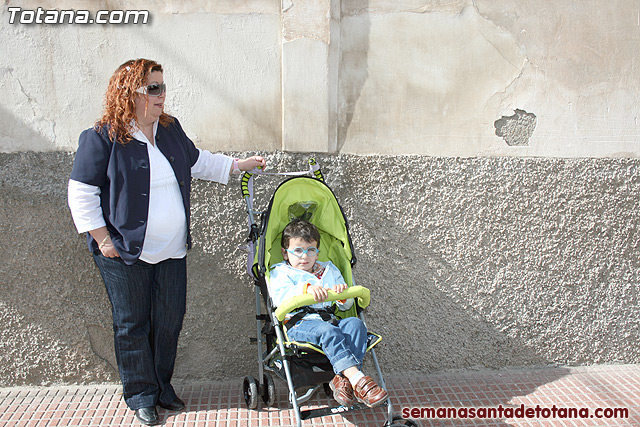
pixel 148 304
pixel 344 345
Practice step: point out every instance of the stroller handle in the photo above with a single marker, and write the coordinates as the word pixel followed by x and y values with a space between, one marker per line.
pixel 361 294
pixel 247 186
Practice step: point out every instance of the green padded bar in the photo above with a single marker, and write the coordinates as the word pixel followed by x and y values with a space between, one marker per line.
pixel 317 173
pixel 245 184
pixel 360 292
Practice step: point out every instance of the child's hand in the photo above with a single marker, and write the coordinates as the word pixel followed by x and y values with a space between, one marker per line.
pixel 340 288
pixel 319 293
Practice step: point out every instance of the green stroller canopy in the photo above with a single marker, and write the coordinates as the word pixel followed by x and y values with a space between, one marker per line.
pixel 309 199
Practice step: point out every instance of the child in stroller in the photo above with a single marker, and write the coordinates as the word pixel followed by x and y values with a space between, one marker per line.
pixel 305 367
pixel 344 341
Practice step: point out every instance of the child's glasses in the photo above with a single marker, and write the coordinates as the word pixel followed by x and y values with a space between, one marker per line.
pixel 311 252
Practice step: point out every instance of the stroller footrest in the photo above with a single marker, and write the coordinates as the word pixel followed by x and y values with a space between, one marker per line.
pixel 321 412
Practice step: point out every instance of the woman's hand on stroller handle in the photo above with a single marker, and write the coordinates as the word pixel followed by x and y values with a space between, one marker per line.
pixel 251 163
pixel 360 292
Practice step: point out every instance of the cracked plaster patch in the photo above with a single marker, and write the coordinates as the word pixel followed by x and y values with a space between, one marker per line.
pixel 27 125
pixel 516 130
pixel 307 19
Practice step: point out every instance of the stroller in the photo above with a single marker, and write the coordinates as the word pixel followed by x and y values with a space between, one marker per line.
pixel 303 367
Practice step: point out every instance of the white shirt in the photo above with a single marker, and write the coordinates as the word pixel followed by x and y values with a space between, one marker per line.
pixel 166 232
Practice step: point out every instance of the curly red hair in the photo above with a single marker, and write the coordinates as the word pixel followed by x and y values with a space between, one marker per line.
pixel 119 101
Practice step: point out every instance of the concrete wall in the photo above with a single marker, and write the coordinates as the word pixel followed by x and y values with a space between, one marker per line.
pixel 222 68
pixel 484 262
pixel 485 152
pixel 444 78
pixel 448 78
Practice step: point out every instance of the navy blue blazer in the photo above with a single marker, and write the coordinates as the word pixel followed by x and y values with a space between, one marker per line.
pixel 122 173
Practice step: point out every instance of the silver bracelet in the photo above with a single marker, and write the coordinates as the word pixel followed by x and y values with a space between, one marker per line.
pixel 104 242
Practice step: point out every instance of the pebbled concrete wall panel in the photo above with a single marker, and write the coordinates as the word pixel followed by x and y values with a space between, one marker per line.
pixel 472 263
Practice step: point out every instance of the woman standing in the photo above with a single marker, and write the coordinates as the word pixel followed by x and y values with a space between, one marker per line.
pixel 130 191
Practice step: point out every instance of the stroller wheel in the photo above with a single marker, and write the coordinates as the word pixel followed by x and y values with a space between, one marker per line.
pixel 268 390
pixel 398 421
pixel 250 390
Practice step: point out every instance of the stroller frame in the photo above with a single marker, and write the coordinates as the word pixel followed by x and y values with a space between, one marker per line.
pixel 278 352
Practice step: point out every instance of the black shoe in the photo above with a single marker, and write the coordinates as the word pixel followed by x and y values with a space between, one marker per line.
pixel 147 416
pixel 176 405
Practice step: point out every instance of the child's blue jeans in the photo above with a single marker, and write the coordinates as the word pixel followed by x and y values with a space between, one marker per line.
pixel 344 345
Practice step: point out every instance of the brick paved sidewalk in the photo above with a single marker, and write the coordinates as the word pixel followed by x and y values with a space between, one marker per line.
pixel 221 403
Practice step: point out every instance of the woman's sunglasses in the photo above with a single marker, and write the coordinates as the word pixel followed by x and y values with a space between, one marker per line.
pixel 154 89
